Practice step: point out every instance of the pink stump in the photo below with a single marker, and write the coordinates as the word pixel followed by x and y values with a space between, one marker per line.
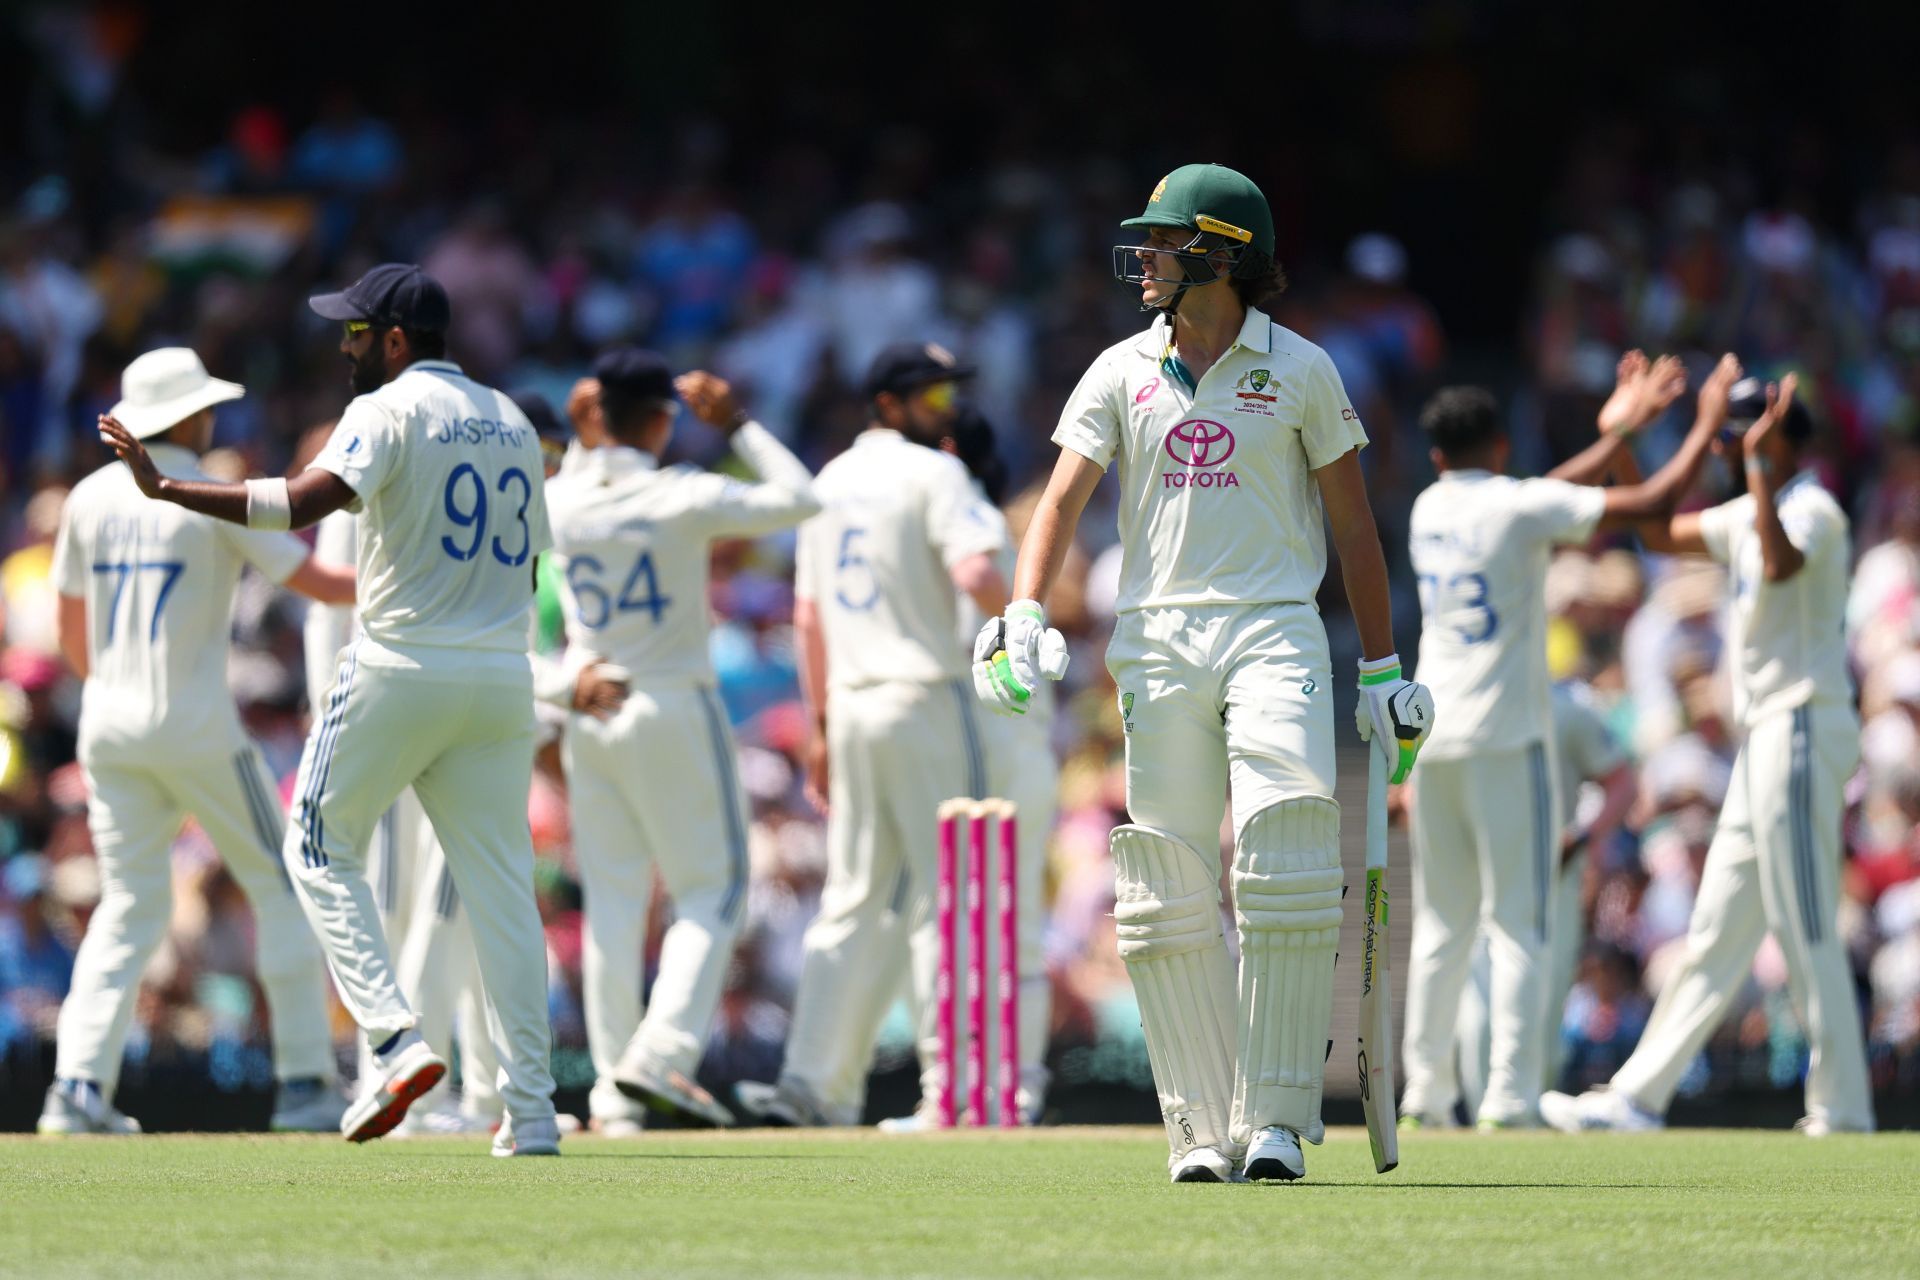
pixel 943 981
pixel 977 967
pixel 1009 971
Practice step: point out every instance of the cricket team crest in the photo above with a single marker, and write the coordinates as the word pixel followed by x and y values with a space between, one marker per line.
pixel 1251 395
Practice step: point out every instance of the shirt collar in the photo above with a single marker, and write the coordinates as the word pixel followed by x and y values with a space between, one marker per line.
pixel 1256 334
pixel 435 366
pixel 623 459
pixel 1466 473
pixel 1800 479
pixel 878 433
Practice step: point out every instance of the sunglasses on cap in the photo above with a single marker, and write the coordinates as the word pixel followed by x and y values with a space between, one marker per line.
pixel 940 395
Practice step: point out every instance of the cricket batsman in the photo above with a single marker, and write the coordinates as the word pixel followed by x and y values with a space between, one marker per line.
pixel 1774 865
pixel 1234 439
pixel 655 786
pixel 436 692
pixel 146 603
pixel 1486 805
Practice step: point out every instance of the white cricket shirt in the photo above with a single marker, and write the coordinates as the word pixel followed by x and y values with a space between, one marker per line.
pixel 632 541
pixel 329 627
pixel 449 477
pixel 1787 639
pixel 877 561
pixel 1480 545
pixel 1218 501
pixel 158 582
pixel 1038 721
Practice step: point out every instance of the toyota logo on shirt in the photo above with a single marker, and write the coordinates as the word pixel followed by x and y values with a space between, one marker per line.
pixel 1198 442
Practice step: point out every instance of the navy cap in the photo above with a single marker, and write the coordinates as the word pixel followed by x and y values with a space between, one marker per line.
pixel 540 412
pixel 393 293
pixel 903 366
pixel 633 374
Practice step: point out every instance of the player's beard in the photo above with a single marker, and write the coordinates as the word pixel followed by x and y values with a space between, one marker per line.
pixel 369 370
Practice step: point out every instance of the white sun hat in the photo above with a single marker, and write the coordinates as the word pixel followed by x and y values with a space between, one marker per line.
pixel 163 388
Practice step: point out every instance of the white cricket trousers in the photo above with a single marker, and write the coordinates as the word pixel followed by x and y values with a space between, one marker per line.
pixel 897 751
pixel 462 736
pixel 134 811
pixel 437 968
pixel 656 788
pixel 1485 854
pixel 1774 866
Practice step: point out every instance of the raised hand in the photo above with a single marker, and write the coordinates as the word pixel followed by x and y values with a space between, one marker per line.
pixel 133 453
pixel 1779 400
pixel 711 399
pixel 1617 412
pixel 1713 393
pixel 583 411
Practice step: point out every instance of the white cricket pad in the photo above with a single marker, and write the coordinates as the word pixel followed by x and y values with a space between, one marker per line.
pixel 1167 915
pixel 1286 891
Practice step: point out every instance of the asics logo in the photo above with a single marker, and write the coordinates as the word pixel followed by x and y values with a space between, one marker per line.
pixel 1198 442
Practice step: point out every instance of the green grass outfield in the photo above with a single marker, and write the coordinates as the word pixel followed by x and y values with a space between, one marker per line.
pixel 1054 1203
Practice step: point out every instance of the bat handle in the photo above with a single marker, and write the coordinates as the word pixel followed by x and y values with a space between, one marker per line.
pixel 1378 771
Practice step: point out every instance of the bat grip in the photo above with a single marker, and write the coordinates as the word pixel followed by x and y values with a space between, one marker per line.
pixel 1378 771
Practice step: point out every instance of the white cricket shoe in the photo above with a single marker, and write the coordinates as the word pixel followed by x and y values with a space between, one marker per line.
pixel 1597 1110
pixel 410 1070
pixel 527 1138
pixel 77 1106
pixel 619 1126
pixel 1203 1164
pixel 307 1106
pixel 781 1106
pixel 669 1092
pixel 1821 1127
pixel 446 1121
pixel 922 1119
pixel 1274 1155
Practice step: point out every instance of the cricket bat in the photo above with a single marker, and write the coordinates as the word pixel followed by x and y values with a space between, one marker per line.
pixel 1376 986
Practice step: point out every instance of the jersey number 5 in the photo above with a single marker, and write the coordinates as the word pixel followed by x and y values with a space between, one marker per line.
pixel 472 514
pixel 593 606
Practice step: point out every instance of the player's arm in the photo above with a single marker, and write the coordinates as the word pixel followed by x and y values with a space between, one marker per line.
pixel 811 642
pixel 980 579
pixel 1050 532
pixel 784 495
pixel 70 630
pixel 1780 559
pixel 1641 393
pixel 1653 500
pixel 308 498
pixel 326 583
pixel 1363 565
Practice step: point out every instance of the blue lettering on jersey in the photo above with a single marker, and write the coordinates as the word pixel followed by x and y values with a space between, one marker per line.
pixel 483 431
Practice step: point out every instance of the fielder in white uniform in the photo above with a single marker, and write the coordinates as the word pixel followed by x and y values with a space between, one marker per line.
pixel 656 786
pixel 895 731
pixel 1486 810
pixel 1022 768
pixel 1774 865
pixel 146 602
pixel 436 692
pixel 1233 437
pixel 436 966
pixel 1587 757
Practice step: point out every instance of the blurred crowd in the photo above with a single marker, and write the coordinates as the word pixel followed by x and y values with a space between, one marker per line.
pixel 787 285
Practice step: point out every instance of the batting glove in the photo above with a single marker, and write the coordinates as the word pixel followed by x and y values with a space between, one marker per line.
pixel 1396 711
pixel 1011 655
